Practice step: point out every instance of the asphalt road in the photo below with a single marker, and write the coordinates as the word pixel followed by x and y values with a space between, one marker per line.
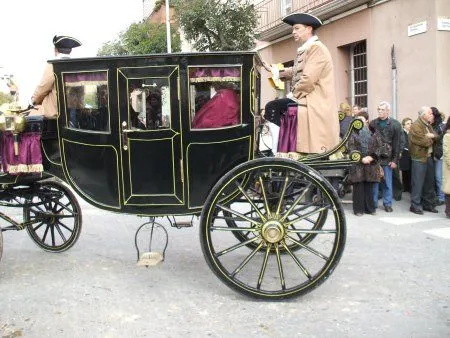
pixel 393 281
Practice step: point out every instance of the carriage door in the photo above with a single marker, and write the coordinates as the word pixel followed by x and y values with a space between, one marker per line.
pixel 150 135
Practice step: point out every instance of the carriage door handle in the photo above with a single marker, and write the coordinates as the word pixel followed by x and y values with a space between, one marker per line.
pixel 124 136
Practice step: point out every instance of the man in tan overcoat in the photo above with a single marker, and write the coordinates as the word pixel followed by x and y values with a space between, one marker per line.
pixel 45 93
pixel 312 88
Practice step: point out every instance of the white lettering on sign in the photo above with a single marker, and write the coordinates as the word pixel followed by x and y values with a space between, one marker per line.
pixel 417 28
pixel 443 24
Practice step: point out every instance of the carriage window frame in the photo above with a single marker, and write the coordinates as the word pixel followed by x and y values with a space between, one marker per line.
pixel 191 98
pixel 99 83
pixel 146 91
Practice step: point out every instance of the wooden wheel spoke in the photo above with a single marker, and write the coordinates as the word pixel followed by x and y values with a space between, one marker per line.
pixel 235 229
pixel 39 207
pixel 38 226
pixel 264 266
pixel 280 268
pixel 45 233
pixel 266 202
pixel 255 208
pixel 58 228
pixel 313 212
pixel 64 226
pixel 305 206
pixel 281 198
pixel 236 246
pixel 292 227
pixel 300 265
pixel 63 207
pixel 308 231
pixel 296 202
pixel 52 232
pixel 238 214
pixel 246 260
pixel 59 216
pixel 315 252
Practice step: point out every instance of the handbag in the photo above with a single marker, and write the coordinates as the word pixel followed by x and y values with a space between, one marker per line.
pixel 380 172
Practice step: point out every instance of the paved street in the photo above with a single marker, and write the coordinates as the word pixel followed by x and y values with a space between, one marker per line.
pixel 393 281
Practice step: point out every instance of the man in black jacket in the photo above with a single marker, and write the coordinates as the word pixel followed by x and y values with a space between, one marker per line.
pixel 390 131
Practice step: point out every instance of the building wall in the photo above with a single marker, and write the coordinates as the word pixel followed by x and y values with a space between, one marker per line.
pixel 443 60
pixel 337 36
pixel 415 59
pixel 423 69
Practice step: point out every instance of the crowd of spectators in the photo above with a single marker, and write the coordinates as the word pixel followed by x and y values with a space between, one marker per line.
pixel 411 156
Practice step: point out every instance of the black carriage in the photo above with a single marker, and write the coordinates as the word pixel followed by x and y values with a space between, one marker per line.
pixel 178 134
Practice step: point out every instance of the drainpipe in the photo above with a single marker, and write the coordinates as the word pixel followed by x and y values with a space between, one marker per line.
pixel 394 83
pixel 169 43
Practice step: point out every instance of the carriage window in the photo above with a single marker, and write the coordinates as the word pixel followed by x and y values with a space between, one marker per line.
pixel 87 101
pixel 214 96
pixel 149 103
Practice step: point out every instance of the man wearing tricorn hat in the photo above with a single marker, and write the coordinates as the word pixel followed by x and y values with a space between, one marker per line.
pixel 45 92
pixel 312 88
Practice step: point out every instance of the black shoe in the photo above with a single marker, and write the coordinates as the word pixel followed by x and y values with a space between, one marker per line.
pixel 388 208
pixel 440 202
pixel 431 209
pixel 416 211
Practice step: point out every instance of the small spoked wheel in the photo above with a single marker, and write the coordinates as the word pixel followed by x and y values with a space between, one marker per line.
pixel 53 217
pixel 273 228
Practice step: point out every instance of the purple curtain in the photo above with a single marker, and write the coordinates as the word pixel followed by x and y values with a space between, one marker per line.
pixel 85 76
pixel 287 141
pixel 211 72
pixel 28 160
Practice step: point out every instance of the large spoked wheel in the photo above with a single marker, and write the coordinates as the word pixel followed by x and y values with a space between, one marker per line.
pixel 55 217
pixel 299 210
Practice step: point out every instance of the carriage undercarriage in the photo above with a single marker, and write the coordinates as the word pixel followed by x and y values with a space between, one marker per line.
pixel 271 228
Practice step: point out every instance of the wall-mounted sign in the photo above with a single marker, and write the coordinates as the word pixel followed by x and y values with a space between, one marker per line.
pixel 443 24
pixel 417 28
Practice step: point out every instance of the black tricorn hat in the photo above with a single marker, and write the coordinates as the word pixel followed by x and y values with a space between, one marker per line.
pixel 65 42
pixel 303 19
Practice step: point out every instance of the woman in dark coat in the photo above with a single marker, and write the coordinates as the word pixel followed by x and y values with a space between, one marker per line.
pixel 438 127
pixel 405 158
pixel 365 174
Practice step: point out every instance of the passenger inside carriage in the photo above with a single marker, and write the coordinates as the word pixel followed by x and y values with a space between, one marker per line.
pixel 221 110
pixel 153 111
pixel 215 93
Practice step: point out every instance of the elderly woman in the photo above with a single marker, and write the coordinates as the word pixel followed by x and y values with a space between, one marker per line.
pixel 365 174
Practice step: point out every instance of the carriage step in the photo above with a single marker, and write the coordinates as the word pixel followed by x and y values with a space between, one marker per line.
pixel 181 221
pixel 183 224
pixel 150 259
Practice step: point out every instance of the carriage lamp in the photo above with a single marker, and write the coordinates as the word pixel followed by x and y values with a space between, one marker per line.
pixel 14 122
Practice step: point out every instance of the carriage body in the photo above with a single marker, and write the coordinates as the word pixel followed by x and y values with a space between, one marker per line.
pixel 116 158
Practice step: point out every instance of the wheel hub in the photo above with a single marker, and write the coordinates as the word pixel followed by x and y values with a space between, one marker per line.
pixel 272 231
